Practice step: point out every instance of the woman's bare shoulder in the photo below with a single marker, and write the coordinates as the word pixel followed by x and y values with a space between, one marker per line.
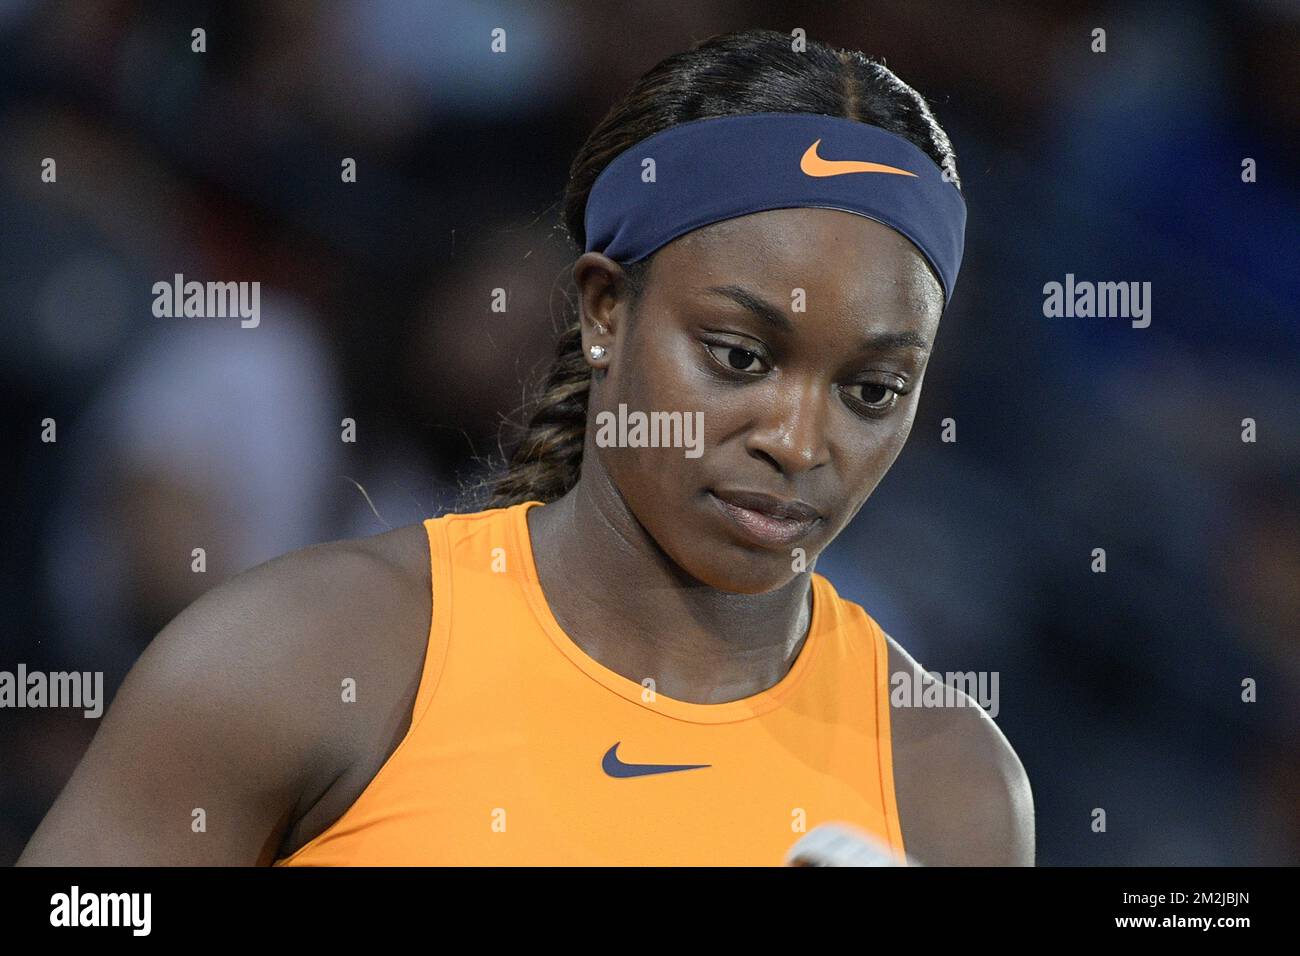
pixel 963 795
pixel 258 697
pixel 349 619
pixel 318 610
pixel 375 570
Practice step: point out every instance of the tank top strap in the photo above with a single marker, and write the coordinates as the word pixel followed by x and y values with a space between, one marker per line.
pixel 463 548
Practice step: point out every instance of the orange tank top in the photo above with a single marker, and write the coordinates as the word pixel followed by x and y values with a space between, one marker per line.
pixel 524 750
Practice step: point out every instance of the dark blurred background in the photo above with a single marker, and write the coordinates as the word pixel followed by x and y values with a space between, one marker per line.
pixel 1119 690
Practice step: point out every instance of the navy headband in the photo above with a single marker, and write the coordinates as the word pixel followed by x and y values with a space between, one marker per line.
pixel 722 167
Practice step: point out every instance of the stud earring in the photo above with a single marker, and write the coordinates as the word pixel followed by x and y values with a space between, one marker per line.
pixel 597 351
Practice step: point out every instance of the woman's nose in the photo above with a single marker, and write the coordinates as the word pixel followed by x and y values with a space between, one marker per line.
pixel 790 431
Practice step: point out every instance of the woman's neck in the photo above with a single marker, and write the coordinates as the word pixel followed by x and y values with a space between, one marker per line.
pixel 630 607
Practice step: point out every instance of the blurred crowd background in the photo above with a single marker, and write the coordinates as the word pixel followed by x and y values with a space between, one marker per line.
pixel 1120 691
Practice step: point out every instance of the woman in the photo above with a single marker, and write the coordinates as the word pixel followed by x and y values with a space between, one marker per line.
pixel 627 657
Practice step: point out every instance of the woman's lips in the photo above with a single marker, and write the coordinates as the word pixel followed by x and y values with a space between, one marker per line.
pixel 762 527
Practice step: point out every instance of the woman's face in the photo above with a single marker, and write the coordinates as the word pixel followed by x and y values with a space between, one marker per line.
pixel 802 336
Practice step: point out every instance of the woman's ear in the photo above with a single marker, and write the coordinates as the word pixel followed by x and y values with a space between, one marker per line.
pixel 601 304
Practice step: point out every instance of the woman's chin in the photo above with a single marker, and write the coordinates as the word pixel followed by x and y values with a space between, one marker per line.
pixel 744 574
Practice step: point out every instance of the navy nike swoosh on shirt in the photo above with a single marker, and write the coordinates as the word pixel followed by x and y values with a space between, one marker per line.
pixel 617 768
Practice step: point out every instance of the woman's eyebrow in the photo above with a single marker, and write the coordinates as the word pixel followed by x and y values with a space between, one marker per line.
pixel 754 303
pixel 884 341
pixel 879 342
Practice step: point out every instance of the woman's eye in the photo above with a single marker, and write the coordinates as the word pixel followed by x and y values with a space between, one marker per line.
pixel 737 359
pixel 876 397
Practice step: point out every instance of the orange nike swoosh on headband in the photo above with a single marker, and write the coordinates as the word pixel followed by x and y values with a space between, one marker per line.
pixel 814 165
